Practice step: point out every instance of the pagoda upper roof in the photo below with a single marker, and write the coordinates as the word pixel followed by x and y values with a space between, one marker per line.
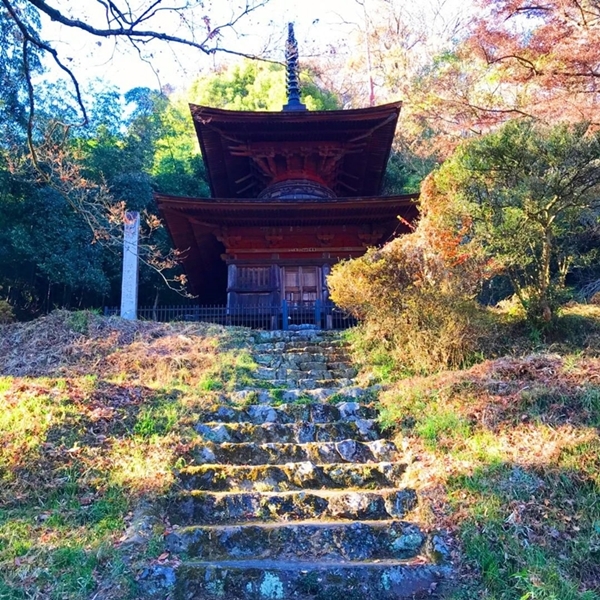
pixel 345 150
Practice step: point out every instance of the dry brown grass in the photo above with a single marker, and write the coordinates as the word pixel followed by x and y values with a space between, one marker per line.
pixel 506 455
pixel 74 344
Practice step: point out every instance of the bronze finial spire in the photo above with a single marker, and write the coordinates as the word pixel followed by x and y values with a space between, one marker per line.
pixel 293 84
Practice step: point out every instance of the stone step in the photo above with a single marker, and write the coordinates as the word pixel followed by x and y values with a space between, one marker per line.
pixel 295 375
pixel 294 358
pixel 249 453
pixel 283 580
pixel 314 345
pixel 288 393
pixel 363 430
pixel 192 508
pixel 263 413
pixel 292 476
pixel 299 356
pixel 345 540
pixel 311 384
pixel 304 347
pixel 313 337
pixel 306 384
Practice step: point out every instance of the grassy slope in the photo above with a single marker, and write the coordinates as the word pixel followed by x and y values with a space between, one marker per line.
pixel 96 412
pixel 508 454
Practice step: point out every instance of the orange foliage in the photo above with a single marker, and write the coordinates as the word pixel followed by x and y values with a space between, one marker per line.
pixel 549 49
pixel 417 293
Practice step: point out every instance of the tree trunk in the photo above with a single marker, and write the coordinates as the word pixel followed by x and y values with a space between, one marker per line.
pixel 544 283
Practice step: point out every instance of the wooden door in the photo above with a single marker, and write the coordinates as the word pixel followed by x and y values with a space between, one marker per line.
pixel 253 286
pixel 301 284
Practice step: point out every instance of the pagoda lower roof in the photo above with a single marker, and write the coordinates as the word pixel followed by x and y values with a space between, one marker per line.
pixel 256 212
pixel 245 152
pixel 197 224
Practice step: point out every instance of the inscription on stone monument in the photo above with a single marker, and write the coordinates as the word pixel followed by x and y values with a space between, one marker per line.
pixel 129 283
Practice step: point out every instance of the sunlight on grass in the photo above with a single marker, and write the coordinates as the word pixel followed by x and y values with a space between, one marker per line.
pixel 158 420
pixel 143 467
pixel 5 384
pixel 80 447
pixel 484 446
pixel 437 428
pixel 512 448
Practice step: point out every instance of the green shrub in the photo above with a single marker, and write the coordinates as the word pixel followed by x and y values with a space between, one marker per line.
pixel 6 312
pixel 415 299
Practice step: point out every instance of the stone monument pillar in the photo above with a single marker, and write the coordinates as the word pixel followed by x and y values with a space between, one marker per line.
pixel 129 284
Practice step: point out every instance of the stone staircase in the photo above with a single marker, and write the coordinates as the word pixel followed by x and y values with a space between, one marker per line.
pixel 292 494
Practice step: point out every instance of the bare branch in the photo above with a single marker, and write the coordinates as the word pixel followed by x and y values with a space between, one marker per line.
pixel 127 27
pixel 121 22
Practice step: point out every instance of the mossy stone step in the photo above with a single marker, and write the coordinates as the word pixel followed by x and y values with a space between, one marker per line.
pixel 349 540
pixel 263 413
pixel 295 358
pixel 194 507
pixel 283 580
pixel 334 383
pixel 249 453
pixel 292 476
pixel 304 383
pixel 298 344
pixel 294 375
pixel 363 430
pixel 291 358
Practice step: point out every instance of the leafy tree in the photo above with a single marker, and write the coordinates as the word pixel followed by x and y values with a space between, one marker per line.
pixel 117 20
pixel 524 192
pixel 549 50
pixel 47 254
pixel 177 167
pixel 405 172
pixel 257 86
pixel 16 61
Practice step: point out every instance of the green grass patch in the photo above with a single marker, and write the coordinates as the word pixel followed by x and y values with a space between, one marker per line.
pixel 5 384
pixel 529 533
pixel 210 383
pixel 232 370
pixel 156 420
pixel 436 428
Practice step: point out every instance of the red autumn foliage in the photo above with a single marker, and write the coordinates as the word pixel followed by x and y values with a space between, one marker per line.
pixel 548 50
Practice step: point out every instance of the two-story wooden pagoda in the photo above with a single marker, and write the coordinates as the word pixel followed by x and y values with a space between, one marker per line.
pixel 293 192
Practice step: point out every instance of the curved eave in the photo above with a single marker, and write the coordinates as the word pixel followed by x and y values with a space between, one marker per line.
pixel 283 118
pixel 369 131
pixel 253 212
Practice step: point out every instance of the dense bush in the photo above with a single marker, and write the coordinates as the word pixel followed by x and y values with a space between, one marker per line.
pixel 6 312
pixel 416 298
